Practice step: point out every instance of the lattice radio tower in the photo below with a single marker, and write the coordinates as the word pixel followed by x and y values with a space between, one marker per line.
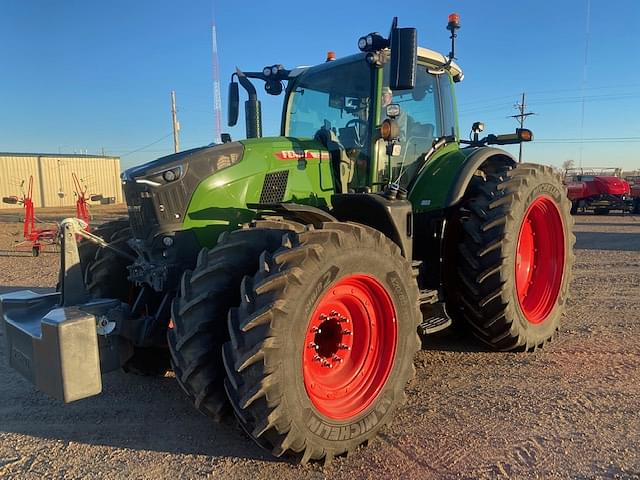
pixel 217 101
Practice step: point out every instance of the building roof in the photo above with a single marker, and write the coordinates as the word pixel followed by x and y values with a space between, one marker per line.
pixel 61 155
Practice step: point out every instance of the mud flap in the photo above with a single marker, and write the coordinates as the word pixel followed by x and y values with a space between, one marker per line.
pixel 54 347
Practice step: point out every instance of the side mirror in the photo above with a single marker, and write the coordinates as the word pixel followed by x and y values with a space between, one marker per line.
pixel 402 66
pixel 10 200
pixel 234 103
pixel 96 198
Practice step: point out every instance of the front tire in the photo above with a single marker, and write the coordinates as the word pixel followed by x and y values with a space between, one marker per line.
pixel 323 341
pixel 515 255
pixel 199 312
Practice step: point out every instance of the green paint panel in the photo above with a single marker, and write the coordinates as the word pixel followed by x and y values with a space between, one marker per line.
pixel 219 201
pixel 432 187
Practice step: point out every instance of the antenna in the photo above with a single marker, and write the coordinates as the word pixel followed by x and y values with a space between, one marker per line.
pixel 215 69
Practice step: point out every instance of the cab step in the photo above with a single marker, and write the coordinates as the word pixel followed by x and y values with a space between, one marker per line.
pixel 433 325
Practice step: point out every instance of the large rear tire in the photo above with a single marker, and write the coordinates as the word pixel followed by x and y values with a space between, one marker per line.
pixel 515 255
pixel 199 312
pixel 323 341
pixel 106 277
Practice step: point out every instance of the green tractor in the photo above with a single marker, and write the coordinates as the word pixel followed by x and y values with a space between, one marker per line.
pixel 287 279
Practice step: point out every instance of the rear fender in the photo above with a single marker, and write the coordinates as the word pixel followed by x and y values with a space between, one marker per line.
pixel 478 158
pixel 444 180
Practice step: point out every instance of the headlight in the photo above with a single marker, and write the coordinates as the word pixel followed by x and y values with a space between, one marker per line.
pixel 170 175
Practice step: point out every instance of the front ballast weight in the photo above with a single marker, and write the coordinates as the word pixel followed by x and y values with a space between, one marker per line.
pixel 63 341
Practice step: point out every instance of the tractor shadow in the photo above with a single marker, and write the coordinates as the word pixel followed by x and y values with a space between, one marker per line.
pixel 13 288
pixel 27 253
pixel 609 225
pixel 138 413
pixel 453 341
pixel 628 242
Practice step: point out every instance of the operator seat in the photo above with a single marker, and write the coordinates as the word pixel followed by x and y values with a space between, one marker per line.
pixel 341 165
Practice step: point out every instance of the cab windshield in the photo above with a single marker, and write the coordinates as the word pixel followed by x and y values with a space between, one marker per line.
pixel 335 95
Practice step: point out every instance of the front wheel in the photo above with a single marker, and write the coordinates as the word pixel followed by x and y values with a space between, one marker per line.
pixel 322 344
pixel 515 256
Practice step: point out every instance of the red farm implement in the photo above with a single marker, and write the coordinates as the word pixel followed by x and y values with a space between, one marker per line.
pixel 634 187
pixel 38 238
pixel 599 190
pixel 34 238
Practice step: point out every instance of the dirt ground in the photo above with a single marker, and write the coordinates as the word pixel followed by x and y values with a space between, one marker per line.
pixel 570 411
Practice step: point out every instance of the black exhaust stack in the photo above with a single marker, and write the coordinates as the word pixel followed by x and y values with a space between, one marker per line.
pixel 252 107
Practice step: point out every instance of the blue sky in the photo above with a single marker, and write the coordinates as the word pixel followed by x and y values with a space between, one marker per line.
pixel 87 75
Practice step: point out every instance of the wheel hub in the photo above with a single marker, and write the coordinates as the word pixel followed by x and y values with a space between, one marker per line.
pixel 332 339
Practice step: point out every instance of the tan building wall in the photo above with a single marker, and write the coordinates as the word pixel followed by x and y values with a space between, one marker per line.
pixel 52 174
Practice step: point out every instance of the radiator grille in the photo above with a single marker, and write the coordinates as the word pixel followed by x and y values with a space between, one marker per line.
pixel 274 188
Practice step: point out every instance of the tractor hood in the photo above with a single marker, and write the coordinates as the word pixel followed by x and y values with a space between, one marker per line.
pixel 158 192
pixel 611 185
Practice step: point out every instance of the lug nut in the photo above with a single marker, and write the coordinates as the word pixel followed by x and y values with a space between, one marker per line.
pixel 346 332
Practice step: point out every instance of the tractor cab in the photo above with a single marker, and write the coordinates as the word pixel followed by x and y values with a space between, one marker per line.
pixel 343 104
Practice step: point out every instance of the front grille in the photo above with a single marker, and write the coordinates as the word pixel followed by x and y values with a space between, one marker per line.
pixel 172 202
pixel 142 215
pixel 274 188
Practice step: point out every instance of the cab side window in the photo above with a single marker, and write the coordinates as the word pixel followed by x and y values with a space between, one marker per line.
pixel 419 121
pixel 449 124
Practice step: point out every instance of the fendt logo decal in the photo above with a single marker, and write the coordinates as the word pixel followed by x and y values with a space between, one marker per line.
pixel 301 154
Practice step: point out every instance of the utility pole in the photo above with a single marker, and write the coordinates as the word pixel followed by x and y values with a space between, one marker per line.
pixel 521 107
pixel 176 124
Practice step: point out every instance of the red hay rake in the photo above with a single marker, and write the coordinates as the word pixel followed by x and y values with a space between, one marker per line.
pixel 35 238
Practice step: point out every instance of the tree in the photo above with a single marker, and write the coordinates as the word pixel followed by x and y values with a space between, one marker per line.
pixel 566 165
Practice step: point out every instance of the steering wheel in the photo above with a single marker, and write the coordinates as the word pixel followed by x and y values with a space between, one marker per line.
pixel 356 121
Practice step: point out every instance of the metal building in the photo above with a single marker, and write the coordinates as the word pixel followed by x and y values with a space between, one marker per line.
pixel 53 180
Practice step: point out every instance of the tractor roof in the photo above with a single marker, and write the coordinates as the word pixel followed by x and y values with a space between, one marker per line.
pixel 424 54
pixel 438 59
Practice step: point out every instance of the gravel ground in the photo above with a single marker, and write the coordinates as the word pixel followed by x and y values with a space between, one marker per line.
pixel 570 411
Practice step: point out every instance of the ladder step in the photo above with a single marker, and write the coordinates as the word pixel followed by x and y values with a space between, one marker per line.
pixel 428 297
pixel 434 324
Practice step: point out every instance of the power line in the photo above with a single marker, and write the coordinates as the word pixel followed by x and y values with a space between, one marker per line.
pixel 148 145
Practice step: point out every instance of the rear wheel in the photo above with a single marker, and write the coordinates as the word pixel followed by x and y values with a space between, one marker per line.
pixel 199 312
pixel 601 211
pixel 515 255
pixel 323 341
pixel 636 206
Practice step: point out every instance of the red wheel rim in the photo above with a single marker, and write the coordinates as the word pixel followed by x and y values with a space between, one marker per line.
pixel 540 258
pixel 350 346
